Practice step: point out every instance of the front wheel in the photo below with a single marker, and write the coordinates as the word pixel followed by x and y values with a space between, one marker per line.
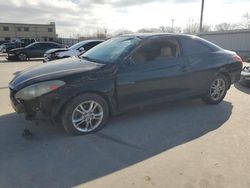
pixel 85 114
pixel 22 57
pixel 217 90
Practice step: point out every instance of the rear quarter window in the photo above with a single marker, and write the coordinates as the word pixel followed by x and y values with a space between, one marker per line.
pixel 194 46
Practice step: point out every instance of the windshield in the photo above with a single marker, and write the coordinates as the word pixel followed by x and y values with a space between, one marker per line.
pixel 76 46
pixel 112 49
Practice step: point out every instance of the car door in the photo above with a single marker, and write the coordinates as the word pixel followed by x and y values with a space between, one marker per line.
pixel 34 50
pixel 199 58
pixel 154 72
pixel 44 48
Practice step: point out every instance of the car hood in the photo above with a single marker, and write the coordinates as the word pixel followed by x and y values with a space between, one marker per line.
pixel 54 50
pixel 50 71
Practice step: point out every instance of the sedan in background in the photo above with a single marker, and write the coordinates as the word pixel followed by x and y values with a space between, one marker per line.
pixel 33 50
pixel 124 72
pixel 6 47
pixel 76 49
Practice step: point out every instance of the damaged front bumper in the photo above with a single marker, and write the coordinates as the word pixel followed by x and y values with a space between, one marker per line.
pixel 50 105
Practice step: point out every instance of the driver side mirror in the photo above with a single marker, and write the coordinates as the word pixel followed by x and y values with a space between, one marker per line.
pixel 81 49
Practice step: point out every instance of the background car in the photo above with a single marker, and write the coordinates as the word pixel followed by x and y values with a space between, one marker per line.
pixel 121 73
pixel 245 76
pixel 33 50
pixel 3 41
pixel 75 49
pixel 6 47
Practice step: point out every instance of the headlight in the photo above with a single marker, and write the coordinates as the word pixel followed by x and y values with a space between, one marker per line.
pixel 38 89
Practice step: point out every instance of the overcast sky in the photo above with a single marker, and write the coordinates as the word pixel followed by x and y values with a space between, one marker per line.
pixel 86 16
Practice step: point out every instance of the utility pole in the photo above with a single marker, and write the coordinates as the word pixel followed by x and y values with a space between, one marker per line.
pixel 172 20
pixel 201 19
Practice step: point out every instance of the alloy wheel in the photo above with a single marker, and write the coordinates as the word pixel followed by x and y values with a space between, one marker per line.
pixel 217 89
pixel 87 116
pixel 22 57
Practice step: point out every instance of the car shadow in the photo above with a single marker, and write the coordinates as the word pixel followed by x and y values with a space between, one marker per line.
pixel 51 158
pixel 244 89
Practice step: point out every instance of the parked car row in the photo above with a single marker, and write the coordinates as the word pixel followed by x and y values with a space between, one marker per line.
pixel 5 47
pixel 124 72
pixel 76 49
pixel 34 50
pixel 48 50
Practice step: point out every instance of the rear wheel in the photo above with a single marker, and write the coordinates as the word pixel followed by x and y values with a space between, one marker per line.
pixel 85 114
pixel 22 57
pixel 217 90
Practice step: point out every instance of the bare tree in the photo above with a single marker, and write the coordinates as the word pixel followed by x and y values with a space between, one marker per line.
pixel 122 32
pixel 149 30
pixel 246 22
pixel 223 27
pixel 191 27
pixel 168 29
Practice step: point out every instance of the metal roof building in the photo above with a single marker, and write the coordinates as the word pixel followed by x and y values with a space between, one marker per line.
pixel 235 40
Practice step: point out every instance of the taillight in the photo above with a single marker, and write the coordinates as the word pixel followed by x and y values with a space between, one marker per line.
pixel 237 59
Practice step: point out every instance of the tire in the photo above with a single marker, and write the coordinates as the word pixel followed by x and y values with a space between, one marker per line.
pixel 79 118
pixel 217 90
pixel 22 57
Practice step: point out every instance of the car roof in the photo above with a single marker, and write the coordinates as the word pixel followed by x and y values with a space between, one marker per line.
pixel 45 42
pixel 91 40
pixel 151 35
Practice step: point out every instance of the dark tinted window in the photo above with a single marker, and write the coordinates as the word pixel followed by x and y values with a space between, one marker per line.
pixel 55 45
pixel 90 45
pixel 36 45
pixel 19 29
pixel 49 45
pixel 194 46
pixel 50 30
pixel 157 51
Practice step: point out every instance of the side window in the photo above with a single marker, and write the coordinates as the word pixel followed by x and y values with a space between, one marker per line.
pixel 53 45
pixel 45 45
pixel 192 46
pixel 90 45
pixel 49 45
pixel 157 51
pixel 37 45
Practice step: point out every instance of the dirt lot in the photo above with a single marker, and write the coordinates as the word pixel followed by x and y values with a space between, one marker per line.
pixel 182 145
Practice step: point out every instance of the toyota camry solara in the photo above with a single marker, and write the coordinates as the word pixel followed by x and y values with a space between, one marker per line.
pixel 81 93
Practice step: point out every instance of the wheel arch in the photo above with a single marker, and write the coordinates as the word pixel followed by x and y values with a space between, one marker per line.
pixel 111 106
pixel 23 53
pixel 225 73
